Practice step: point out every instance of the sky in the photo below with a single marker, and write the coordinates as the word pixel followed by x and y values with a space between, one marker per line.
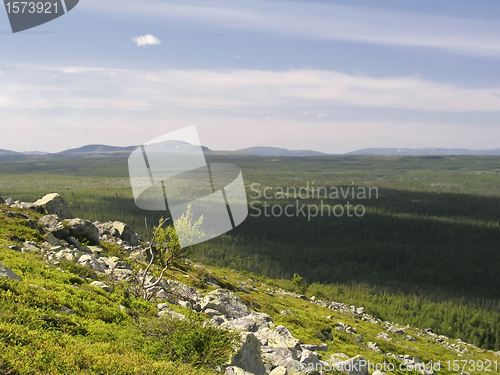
pixel 331 76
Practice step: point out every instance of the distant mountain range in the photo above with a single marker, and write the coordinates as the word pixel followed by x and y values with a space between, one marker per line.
pixel 276 151
pixel 423 151
pixel 90 150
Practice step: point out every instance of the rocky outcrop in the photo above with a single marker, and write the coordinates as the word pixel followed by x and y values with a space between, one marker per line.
pixel 280 337
pixel 126 233
pixel 53 204
pixel 227 303
pixel 278 357
pixel 52 224
pixel 83 229
pixel 119 230
pixel 250 323
pixel 248 355
pixel 280 370
pixel 8 273
pixel 233 370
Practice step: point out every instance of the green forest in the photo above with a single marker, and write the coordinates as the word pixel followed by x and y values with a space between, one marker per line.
pixel 424 253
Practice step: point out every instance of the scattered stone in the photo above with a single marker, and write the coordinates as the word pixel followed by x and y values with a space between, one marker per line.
pixel 8 273
pixel 308 357
pixel 90 261
pixel 280 370
pixel 66 310
pixel 99 284
pixel 373 346
pixel 233 370
pixel 316 348
pixel 126 233
pixel 53 204
pixel 276 357
pixel 248 354
pixel 280 337
pixel 80 228
pixel 171 313
pixel 397 330
pixel 227 303
pixel 54 226
pixel 384 336
pixel 409 338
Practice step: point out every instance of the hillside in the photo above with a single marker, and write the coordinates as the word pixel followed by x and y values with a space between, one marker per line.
pixel 67 293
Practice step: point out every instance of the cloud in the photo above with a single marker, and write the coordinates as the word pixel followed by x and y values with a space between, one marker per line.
pixel 146 40
pixel 309 90
pixel 325 21
pixel 346 112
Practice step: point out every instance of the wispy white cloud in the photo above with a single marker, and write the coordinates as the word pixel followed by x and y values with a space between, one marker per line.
pixel 92 103
pixel 145 90
pixel 325 21
pixel 146 40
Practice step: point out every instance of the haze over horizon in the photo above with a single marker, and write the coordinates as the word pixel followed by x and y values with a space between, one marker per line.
pixel 328 76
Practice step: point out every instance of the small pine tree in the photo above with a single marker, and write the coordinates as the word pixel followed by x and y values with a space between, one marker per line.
pixel 299 283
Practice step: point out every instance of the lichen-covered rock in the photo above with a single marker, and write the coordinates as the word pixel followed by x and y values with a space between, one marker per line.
pixel 126 233
pixel 281 337
pixel 233 370
pixel 53 204
pixel 280 370
pixel 99 284
pixel 54 226
pixel 227 303
pixel 8 273
pixel 184 292
pixel 250 323
pixel 248 355
pixel 275 357
pixel 80 228
pixel 91 261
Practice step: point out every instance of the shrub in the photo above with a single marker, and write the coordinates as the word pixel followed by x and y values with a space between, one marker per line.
pixel 189 341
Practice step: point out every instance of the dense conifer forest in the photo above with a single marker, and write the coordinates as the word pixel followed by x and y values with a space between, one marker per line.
pixel 424 253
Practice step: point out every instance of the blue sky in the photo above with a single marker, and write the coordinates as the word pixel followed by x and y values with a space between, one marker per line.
pixel 333 76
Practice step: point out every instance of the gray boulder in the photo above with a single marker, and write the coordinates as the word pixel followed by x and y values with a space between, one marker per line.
pixel 383 336
pixel 316 348
pixel 8 273
pixel 373 346
pixel 90 261
pixel 399 331
pixel 248 355
pixel 276 357
pixel 227 303
pixel 99 284
pixel 281 337
pixel 233 370
pixel 126 233
pixel 80 228
pixel 54 226
pixel 280 370
pixel 250 323
pixel 309 359
pixel 182 291
pixel 53 204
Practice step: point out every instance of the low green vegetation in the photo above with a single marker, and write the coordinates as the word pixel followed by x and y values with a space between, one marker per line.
pixel 55 322
pixel 425 253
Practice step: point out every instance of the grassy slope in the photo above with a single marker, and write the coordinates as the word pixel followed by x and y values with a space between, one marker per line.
pixel 37 338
